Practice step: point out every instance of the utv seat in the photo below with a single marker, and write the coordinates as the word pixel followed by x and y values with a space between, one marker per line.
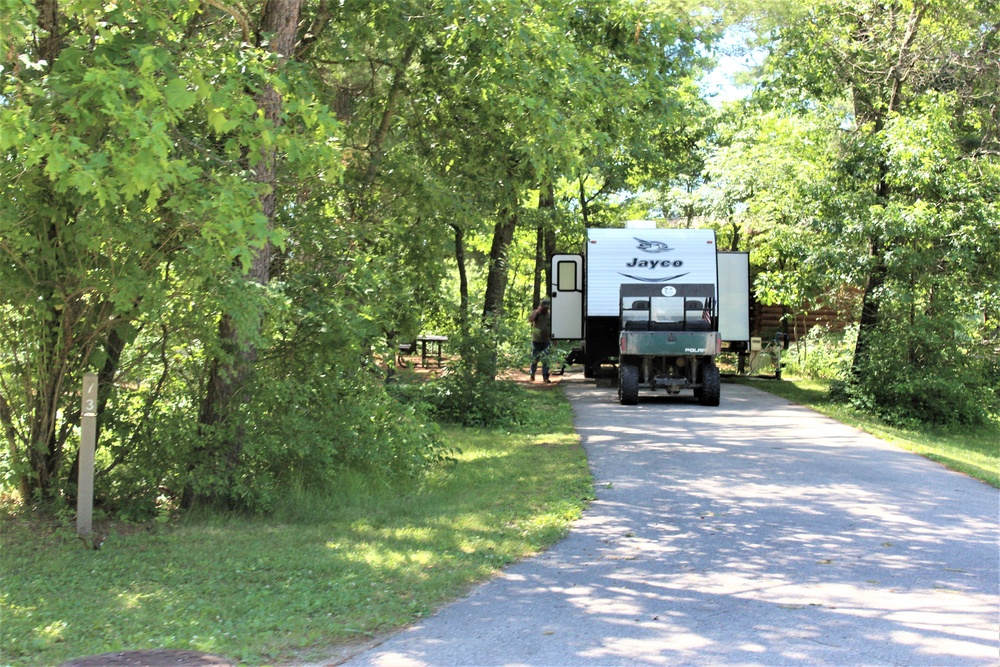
pixel 636 318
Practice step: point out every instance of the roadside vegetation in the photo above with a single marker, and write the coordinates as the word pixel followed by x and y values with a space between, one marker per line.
pixel 319 571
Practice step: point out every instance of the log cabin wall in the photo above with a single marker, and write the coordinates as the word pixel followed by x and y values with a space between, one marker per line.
pixel 765 321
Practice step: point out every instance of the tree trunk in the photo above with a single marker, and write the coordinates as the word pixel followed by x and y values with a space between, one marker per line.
pixel 865 110
pixel 496 277
pixel 536 288
pixel 396 89
pixel 44 452
pixel 546 237
pixel 44 386
pixel 463 279
pixel 550 249
pixel 584 204
pixel 50 44
pixel 230 372
pixel 869 309
pixel 871 299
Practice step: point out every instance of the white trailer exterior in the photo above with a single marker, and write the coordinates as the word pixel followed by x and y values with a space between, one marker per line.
pixel 654 256
pixel 658 302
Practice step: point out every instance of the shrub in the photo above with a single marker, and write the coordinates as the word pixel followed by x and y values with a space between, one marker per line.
pixel 468 392
pixel 306 432
pixel 822 353
pixel 918 395
pixel 924 370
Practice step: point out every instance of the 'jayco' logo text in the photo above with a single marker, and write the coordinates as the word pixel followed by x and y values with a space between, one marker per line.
pixel 653 247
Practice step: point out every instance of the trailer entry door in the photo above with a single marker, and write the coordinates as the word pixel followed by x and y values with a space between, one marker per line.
pixel 567 297
pixel 734 296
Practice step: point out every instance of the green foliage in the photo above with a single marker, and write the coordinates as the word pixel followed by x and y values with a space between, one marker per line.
pixel 866 161
pixel 822 353
pixel 311 428
pixel 127 167
pixel 468 393
pixel 938 299
pixel 930 369
pixel 766 183
pixel 460 398
pixel 308 416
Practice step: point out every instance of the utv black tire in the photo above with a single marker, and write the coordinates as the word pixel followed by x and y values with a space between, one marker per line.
pixel 711 385
pixel 628 384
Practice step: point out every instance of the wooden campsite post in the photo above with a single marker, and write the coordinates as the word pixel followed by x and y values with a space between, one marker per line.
pixel 88 444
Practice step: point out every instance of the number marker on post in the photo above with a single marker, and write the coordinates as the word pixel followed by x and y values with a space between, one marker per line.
pixel 88 443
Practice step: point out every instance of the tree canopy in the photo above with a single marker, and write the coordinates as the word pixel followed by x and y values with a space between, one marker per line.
pixel 234 212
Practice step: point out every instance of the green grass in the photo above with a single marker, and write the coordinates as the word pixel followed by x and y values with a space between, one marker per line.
pixel 973 451
pixel 320 572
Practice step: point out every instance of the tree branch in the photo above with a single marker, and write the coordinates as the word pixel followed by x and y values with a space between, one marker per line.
pixel 897 75
pixel 315 29
pixel 236 14
pixel 395 90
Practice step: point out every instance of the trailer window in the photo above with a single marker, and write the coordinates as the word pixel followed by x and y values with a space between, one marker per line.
pixel 566 276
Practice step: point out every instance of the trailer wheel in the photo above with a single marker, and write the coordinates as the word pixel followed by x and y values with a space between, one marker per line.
pixel 711 385
pixel 628 384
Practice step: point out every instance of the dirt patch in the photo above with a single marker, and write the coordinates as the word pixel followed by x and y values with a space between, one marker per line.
pixel 151 658
pixel 523 378
pixel 413 371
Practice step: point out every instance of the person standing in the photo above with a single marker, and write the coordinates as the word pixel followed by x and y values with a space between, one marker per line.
pixel 541 338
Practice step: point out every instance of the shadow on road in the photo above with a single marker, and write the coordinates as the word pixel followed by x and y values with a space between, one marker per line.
pixel 758 532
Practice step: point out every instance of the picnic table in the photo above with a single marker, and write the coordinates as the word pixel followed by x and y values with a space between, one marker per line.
pixel 439 341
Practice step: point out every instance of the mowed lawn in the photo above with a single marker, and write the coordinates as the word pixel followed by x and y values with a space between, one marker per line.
pixel 319 572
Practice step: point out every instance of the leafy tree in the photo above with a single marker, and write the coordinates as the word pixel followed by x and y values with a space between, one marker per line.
pixel 893 196
pixel 103 204
pixel 276 31
pixel 766 184
pixel 886 57
pixel 129 178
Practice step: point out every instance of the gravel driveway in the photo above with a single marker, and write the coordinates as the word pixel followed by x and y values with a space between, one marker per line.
pixel 756 533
